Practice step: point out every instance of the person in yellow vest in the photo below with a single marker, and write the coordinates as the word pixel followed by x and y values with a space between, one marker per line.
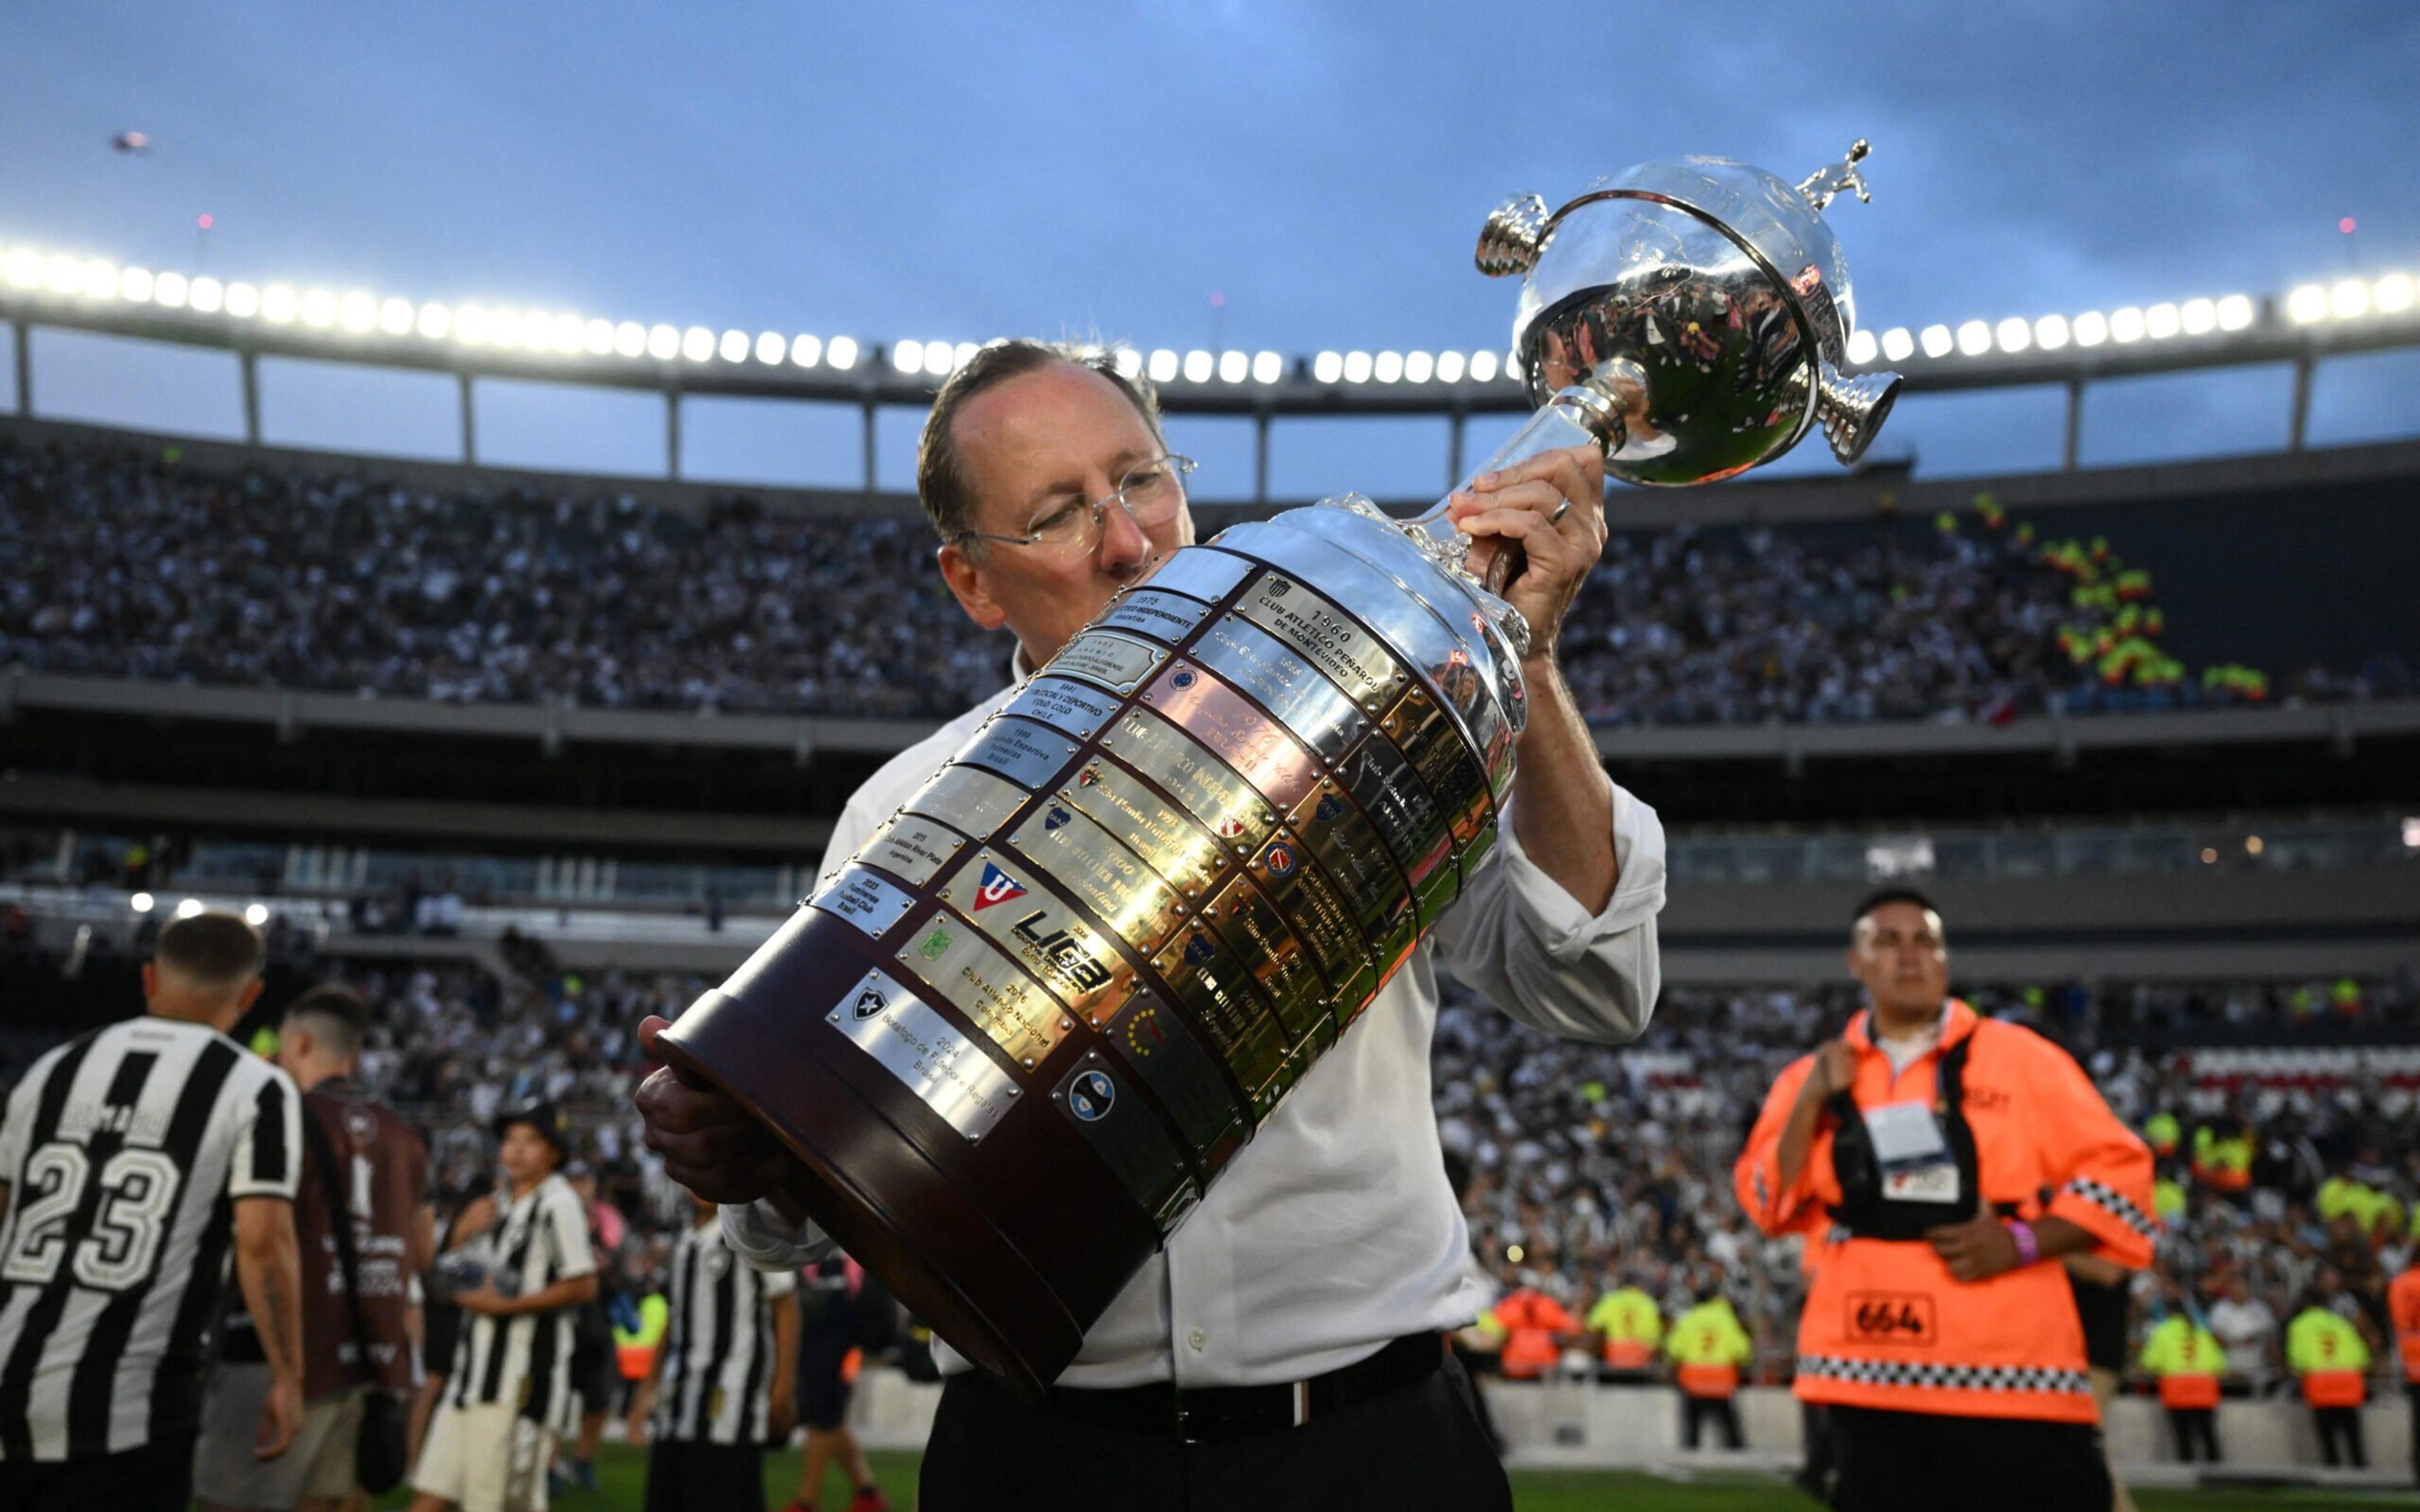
pixel 1535 1329
pixel 634 1351
pixel 2328 1353
pixel 2162 1133
pixel 2222 1157
pixel 1708 1346
pixel 2185 1357
pixel 1628 1326
pixel 2168 1200
pixel 2403 1306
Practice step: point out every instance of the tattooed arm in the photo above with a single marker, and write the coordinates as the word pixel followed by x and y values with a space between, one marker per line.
pixel 267 1263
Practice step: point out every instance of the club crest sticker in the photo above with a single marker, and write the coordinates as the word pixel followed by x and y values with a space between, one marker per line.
pixel 1280 858
pixel 869 1003
pixel 1091 1096
pixel 1056 818
pixel 997 886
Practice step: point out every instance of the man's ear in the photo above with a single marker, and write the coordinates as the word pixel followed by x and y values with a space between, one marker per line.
pixel 964 577
pixel 151 980
pixel 250 994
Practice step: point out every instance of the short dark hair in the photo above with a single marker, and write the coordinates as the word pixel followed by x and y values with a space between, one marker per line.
pixel 942 485
pixel 214 949
pixel 336 1015
pixel 1898 892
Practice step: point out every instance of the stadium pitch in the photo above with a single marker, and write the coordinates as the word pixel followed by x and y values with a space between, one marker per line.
pixel 622 1478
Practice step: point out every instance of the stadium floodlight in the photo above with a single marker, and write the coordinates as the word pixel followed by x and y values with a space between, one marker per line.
pixel 25 268
pixel 1199 366
pixel 1124 361
pixel 142 903
pixel 2091 329
pixel 256 914
pixel 806 351
pixel 2235 312
pixel 1862 347
pixel 771 347
pixel 597 337
pixel 1356 367
pixel 210 297
pixel 2392 295
pixel 1938 342
pixel 2348 299
pixel 281 306
pixel 2051 332
pixel 470 325
pixel 1975 338
pixel 1388 367
pixel 841 352
pixel 135 285
pixel 2199 318
pixel 1163 365
pixel 1328 367
pixel 663 343
pixel 2161 321
pixel 168 291
pixel 504 327
pixel 1449 367
pixel 907 356
pixel 434 321
pixel 2014 335
pixel 1899 345
pixel 1418 367
pixel 2126 325
pixel 1233 367
pixel 629 339
pixel 64 274
pixel 242 301
pixel 940 357
pixel 394 316
pixel 357 311
pixel 697 344
pixel 187 909
pixel 100 279
pixel 2306 305
pixel 734 347
pixel 571 333
pixel 1483 367
pixel 960 355
pixel 1267 367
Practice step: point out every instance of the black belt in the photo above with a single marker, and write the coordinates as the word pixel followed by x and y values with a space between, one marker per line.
pixel 1213 1414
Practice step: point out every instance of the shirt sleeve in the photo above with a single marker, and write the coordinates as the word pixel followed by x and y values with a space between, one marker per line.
pixel 16 1122
pixel 267 1140
pixel 568 1225
pixel 760 1235
pixel 1518 938
pixel 782 1283
pixel 1773 1206
pixel 2097 1170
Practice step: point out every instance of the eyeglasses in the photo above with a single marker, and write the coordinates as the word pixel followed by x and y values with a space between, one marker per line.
pixel 1150 493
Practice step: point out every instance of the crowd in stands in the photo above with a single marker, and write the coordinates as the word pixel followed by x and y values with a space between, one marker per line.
pixel 119 566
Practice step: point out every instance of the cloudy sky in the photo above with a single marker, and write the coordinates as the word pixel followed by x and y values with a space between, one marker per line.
pixel 963 171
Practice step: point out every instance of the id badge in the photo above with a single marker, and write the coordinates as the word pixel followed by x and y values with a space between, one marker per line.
pixel 1934 1182
pixel 1915 1155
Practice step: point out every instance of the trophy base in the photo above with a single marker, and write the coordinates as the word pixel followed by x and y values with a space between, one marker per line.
pixel 939 1254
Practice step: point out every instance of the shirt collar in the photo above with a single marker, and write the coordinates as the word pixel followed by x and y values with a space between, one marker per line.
pixel 1957 1022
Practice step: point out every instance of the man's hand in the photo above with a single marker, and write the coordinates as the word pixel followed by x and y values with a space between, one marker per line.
pixel 711 1144
pixel 1976 1250
pixel 1519 506
pixel 782 1414
pixel 1834 1071
pixel 486 1299
pixel 281 1418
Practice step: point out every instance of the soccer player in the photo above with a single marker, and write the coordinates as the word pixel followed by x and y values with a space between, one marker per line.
pixel 491 1437
pixel 360 1151
pixel 723 1384
pixel 136 1162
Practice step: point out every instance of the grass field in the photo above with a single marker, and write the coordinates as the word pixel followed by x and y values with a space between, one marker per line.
pixel 621 1479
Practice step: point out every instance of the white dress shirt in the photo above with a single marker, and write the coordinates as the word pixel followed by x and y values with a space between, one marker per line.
pixel 1333 1230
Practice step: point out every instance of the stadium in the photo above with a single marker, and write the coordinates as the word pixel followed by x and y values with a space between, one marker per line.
pixel 521 754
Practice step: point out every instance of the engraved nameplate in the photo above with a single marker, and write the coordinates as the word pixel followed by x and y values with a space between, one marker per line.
pixel 969 797
pixel 1147 824
pixel 1004 899
pixel 1404 814
pixel 1327 637
pixel 1342 841
pixel 1208 979
pixel 1301 891
pixel 912 847
pixel 1025 753
pixel 1259 936
pixel 1428 739
pixel 861 897
pixel 1018 1015
pixel 1155 613
pixel 1103 875
pixel 1154 1041
pixel 1096 1098
pixel 1207 787
pixel 1117 662
pixel 1282 682
pixel 1207 575
pixel 1237 733
pixel 943 1068
pixel 1071 708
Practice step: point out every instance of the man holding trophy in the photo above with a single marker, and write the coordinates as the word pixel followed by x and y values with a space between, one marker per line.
pixel 1219 831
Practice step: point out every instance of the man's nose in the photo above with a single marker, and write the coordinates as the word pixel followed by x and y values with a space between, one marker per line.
pixel 1125 547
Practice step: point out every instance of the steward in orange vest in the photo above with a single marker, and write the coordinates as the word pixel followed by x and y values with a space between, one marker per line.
pixel 1534 1326
pixel 2403 1306
pixel 1934 1160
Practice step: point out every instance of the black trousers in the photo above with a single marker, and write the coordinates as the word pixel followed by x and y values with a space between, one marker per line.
pixel 2192 1427
pixel 1920 1463
pixel 2414 1395
pixel 158 1477
pixel 1418 1448
pixel 2341 1425
pixel 1696 1410
pixel 683 1477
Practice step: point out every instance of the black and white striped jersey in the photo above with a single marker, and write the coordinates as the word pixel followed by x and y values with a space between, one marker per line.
pixel 525 1360
pixel 125 1151
pixel 716 1382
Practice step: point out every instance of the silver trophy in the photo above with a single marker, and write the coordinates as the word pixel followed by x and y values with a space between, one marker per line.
pixel 1017 1036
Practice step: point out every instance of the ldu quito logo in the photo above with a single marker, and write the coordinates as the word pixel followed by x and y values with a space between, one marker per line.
pixel 1065 953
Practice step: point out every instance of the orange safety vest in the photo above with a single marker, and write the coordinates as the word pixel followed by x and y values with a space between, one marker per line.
pixel 2335 1388
pixel 1885 1324
pixel 1628 1354
pixel 1531 1322
pixel 2403 1305
pixel 2182 1391
pixel 1711 1380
